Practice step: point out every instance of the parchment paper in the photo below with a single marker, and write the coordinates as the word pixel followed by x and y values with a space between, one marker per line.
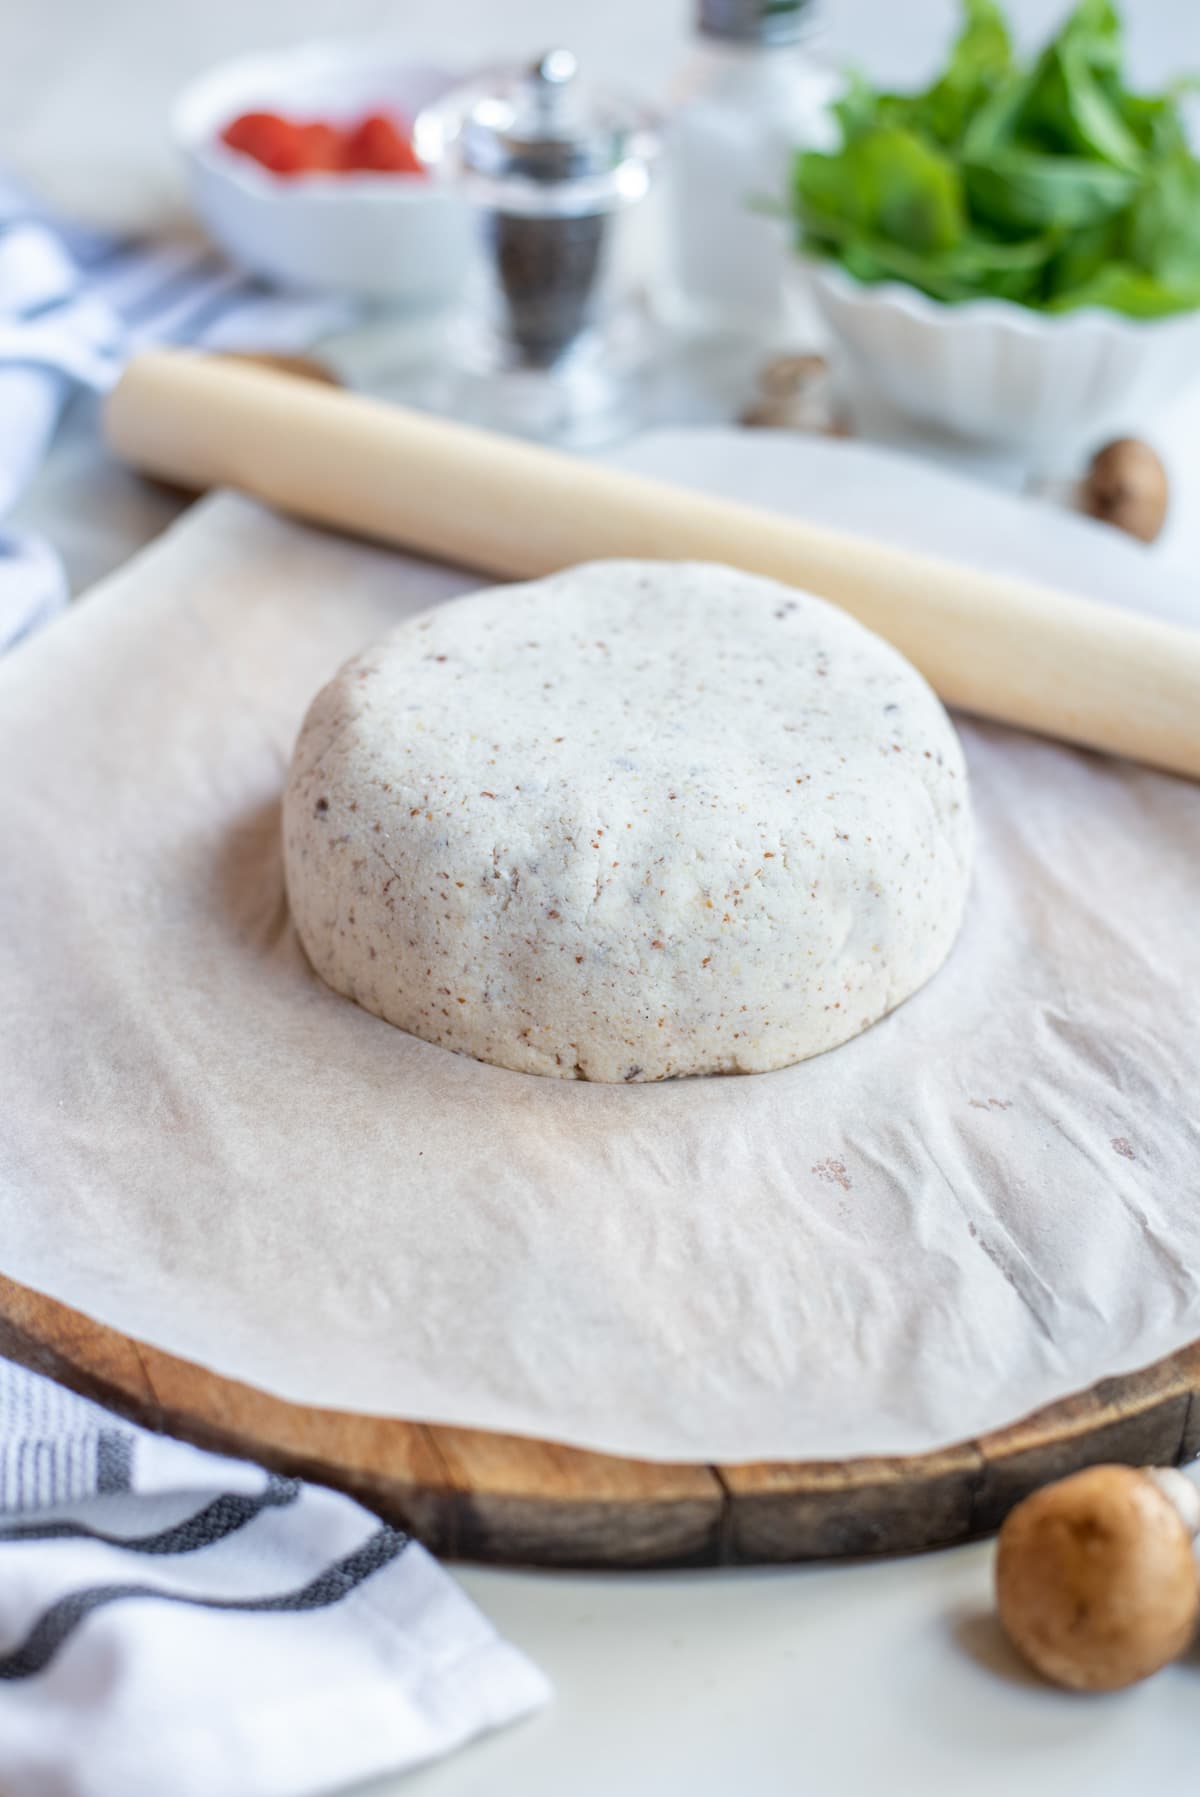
pixel 985 1202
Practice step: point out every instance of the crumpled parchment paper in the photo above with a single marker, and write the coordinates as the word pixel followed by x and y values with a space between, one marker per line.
pixel 989 1200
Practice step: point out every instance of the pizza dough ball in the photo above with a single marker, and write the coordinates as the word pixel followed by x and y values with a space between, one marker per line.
pixel 635 821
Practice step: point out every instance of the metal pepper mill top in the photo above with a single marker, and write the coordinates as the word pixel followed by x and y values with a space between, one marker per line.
pixel 538 125
pixel 548 164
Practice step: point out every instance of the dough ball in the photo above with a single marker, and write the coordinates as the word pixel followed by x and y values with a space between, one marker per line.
pixel 635 821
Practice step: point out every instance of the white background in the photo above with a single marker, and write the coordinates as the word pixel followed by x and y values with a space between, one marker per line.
pixel 811 1682
pixel 84 84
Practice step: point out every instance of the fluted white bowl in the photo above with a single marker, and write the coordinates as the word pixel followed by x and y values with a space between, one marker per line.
pixel 1046 385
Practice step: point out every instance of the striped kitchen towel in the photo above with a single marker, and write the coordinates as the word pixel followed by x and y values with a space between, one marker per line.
pixel 74 303
pixel 175 1622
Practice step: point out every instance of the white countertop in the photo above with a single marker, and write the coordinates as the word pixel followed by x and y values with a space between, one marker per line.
pixel 829 1681
pixel 803 1682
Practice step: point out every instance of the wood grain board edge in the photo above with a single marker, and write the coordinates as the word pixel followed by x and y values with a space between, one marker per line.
pixel 474 1494
pixel 390 1465
pixel 818 1510
pixel 1146 1418
pixel 538 1503
pixel 97 1362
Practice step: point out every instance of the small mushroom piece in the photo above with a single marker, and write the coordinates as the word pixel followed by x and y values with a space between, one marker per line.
pixel 784 376
pixel 1126 485
pixel 797 393
pixel 1096 1579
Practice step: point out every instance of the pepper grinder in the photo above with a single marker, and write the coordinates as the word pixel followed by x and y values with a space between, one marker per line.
pixel 546 348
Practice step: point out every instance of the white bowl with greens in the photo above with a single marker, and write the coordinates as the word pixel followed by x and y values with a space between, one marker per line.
pixel 1014 253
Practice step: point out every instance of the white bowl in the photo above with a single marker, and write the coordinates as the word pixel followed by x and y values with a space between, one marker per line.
pixel 401 237
pixel 1049 386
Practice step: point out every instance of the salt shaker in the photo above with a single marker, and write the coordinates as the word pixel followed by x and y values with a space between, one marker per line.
pixel 549 168
pixel 752 96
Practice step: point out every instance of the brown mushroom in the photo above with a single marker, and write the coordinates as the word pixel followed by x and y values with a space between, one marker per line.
pixel 797 393
pixel 785 376
pixel 776 415
pixel 1096 1579
pixel 1126 485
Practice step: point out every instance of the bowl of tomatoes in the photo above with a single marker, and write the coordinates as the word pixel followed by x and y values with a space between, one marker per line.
pixel 302 167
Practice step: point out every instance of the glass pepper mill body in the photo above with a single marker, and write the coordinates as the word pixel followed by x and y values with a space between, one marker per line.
pixel 548 168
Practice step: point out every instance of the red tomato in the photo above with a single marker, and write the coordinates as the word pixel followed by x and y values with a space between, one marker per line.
pixel 377 142
pixel 322 148
pixel 273 141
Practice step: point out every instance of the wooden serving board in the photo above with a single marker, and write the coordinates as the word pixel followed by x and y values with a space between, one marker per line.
pixel 475 1495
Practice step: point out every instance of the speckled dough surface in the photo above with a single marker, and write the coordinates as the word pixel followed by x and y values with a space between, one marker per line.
pixel 635 821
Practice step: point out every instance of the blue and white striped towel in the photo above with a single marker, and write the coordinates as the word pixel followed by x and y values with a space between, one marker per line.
pixel 174 1622
pixel 73 305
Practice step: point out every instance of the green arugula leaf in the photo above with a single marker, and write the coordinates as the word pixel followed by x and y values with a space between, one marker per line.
pixel 887 183
pixel 981 57
pixel 1163 235
pixel 1155 122
pixel 857 106
pixel 1082 255
pixel 1020 190
pixel 1071 111
pixel 1120 287
pixel 994 124
pixel 1095 26
pixel 1074 102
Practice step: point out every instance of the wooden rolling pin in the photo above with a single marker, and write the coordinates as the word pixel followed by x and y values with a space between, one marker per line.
pixel 999 647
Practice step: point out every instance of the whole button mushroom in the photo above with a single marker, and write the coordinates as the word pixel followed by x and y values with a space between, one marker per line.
pixel 796 393
pixel 1126 485
pixel 1096 1578
pixel 783 377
